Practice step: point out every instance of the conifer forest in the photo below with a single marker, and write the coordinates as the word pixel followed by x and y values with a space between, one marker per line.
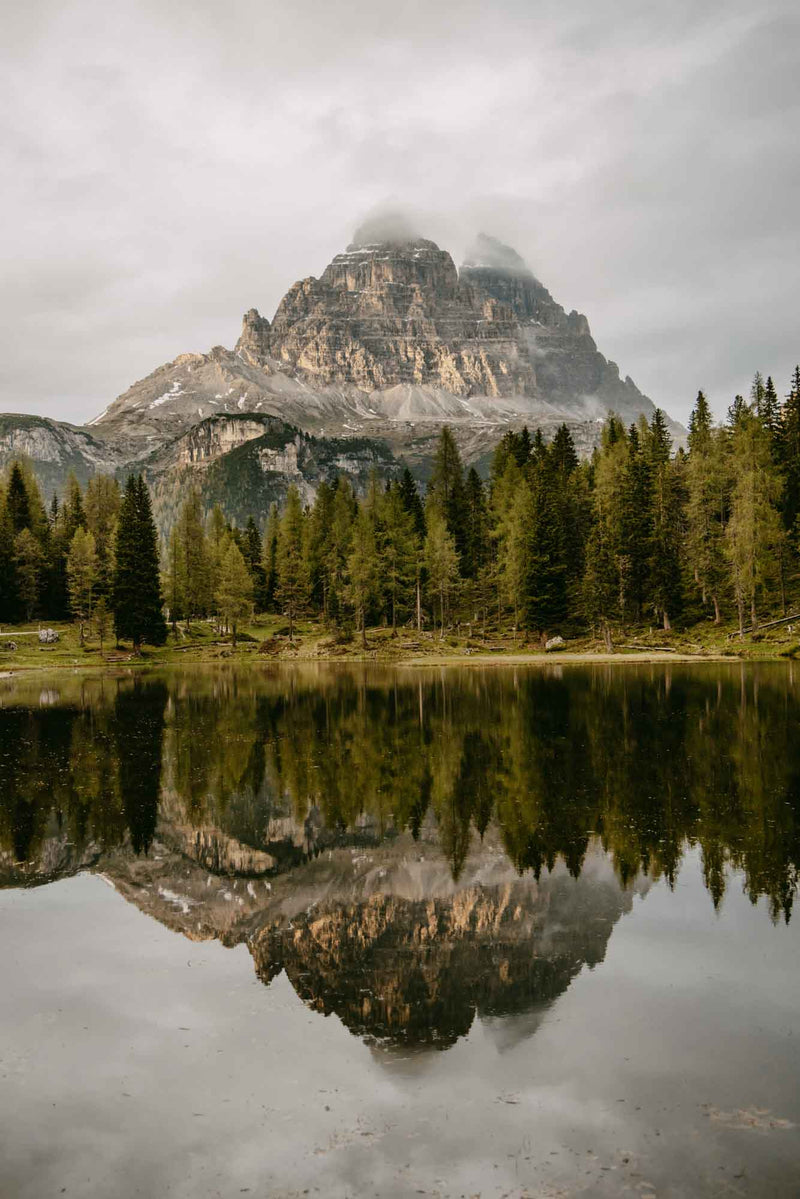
pixel 549 545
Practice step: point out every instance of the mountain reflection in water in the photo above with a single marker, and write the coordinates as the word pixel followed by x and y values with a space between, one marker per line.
pixel 410 848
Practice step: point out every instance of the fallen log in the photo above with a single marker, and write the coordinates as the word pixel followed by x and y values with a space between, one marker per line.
pixel 768 624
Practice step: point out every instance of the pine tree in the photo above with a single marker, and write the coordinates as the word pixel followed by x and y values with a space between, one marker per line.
pixel 753 533
pixel 340 538
pixel 194 554
pixel 270 558
pixel 513 535
pixel 399 556
pixel 757 393
pixel 545 588
pixel 770 413
pixel 441 560
pixel 29 564
pixel 562 452
pixel 217 540
pixel 102 510
pixel 737 413
pixel 17 500
pixel 253 555
pixel 411 501
pixel 234 594
pixel 446 493
pixel 319 526
pixel 700 424
pixel 708 497
pixel 175 578
pixel 73 514
pixel 523 449
pixel 789 454
pixel 294 584
pixel 137 601
pixel 81 577
pixel 601 580
pixel 476 541
pixel 9 597
pixel 363 569
pixel 665 565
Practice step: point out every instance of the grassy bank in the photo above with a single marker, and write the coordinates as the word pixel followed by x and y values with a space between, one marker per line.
pixel 266 639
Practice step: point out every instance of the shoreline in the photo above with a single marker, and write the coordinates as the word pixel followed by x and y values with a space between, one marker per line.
pixel 653 657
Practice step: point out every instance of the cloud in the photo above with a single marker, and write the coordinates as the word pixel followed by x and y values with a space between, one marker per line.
pixel 167 167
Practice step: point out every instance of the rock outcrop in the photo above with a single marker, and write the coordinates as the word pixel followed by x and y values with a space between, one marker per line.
pixel 246 462
pixel 389 343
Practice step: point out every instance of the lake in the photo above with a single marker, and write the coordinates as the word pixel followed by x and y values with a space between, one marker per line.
pixel 345 931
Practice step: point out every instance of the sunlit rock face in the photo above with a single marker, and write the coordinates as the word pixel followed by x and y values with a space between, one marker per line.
pixel 483 347
pixel 389 343
pixel 389 313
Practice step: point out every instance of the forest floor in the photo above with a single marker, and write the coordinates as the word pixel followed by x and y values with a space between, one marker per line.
pixel 266 639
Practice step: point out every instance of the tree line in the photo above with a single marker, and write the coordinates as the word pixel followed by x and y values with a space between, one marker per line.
pixel 549 544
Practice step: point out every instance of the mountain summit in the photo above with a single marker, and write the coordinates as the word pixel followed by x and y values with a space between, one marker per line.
pixel 389 343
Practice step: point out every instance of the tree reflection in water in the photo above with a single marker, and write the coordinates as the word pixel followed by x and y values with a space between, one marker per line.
pixel 441 843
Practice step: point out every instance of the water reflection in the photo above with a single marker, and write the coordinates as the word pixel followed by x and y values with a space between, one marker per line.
pixel 410 848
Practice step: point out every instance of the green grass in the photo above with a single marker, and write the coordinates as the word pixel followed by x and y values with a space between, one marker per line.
pixel 312 640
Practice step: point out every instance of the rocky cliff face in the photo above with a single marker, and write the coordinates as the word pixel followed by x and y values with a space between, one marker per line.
pixel 55 448
pixel 391 335
pixel 245 462
pixel 388 314
pixel 390 343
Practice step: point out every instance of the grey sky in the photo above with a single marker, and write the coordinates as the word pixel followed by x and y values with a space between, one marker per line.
pixel 167 166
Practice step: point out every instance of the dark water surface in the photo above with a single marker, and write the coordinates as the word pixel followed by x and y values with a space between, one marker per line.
pixel 546 911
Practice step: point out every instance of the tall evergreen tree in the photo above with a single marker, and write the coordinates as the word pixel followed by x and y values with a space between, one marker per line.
pixel 294 584
pixel 700 424
pixel 363 569
pixel 441 560
pixel 270 558
pixel 753 533
pixel 234 594
pixel 546 581
pixel 253 556
pixel 17 500
pixel 136 599
pixel 446 493
pixel 102 509
pixel 789 457
pixel 665 564
pixel 29 564
pixel 770 413
pixel 399 552
pixel 197 570
pixel 9 597
pixel 708 495
pixel 411 501
pixel 82 577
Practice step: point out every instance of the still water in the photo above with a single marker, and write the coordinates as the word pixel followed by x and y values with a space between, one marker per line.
pixel 464 932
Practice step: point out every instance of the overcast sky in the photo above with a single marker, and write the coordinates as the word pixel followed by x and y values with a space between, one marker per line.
pixel 168 165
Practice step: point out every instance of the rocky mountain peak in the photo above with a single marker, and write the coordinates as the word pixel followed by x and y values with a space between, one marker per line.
pixel 487 253
pixel 390 342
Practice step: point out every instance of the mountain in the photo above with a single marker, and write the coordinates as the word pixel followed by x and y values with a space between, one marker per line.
pixel 390 343
pixel 55 448
pixel 245 461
